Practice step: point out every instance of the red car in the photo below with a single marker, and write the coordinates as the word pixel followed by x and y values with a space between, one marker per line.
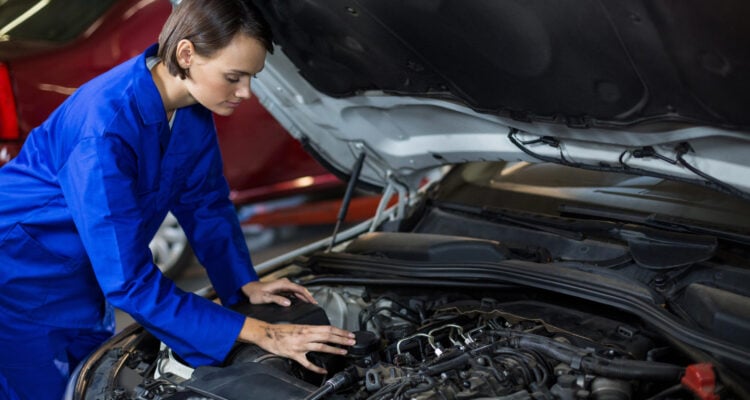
pixel 49 48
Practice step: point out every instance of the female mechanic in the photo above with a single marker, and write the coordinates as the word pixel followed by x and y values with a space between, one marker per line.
pixel 87 192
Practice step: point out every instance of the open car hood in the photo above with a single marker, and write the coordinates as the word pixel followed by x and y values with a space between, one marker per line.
pixel 638 87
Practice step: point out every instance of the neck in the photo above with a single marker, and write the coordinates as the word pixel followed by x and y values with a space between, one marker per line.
pixel 171 88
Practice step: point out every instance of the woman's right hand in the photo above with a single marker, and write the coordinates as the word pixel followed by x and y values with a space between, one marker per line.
pixel 295 341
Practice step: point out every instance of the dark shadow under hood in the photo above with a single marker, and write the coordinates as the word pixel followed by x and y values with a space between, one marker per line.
pixel 603 63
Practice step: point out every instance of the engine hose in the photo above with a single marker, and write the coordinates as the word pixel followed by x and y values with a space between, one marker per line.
pixel 431 384
pixel 590 363
pixel 447 365
pixel 632 369
pixel 581 359
pixel 336 382
pixel 320 393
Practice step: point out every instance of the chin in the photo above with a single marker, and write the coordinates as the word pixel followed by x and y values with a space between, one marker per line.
pixel 223 111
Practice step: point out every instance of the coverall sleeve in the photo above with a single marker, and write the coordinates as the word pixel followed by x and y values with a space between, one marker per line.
pixel 210 222
pixel 98 181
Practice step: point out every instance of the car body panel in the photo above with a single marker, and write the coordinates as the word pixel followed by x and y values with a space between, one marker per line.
pixel 408 136
pixel 354 86
pixel 596 63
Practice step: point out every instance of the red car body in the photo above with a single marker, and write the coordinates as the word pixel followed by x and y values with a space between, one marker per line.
pixel 261 159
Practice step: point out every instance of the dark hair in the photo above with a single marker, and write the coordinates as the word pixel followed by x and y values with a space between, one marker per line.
pixel 210 25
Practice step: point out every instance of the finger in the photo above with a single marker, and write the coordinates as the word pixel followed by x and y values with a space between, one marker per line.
pixel 288 286
pixel 278 285
pixel 325 348
pixel 306 296
pixel 300 291
pixel 309 365
pixel 285 285
pixel 280 300
pixel 338 332
pixel 327 330
pixel 328 337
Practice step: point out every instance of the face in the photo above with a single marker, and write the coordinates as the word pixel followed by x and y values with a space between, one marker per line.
pixel 221 82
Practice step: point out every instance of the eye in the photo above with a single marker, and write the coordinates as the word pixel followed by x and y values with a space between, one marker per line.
pixel 232 78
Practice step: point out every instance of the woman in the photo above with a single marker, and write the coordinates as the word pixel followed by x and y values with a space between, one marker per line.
pixel 81 202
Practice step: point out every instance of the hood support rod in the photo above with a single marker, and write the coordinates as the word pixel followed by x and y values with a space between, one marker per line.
pixel 356 171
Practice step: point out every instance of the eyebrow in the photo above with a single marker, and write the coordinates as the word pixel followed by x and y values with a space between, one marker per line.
pixel 236 71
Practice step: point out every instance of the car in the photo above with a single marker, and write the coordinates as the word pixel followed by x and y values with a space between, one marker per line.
pixel 48 49
pixel 571 218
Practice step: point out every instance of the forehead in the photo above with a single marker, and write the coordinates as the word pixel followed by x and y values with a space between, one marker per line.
pixel 243 54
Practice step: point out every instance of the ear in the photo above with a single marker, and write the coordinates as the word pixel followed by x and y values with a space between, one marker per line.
pixel 185 52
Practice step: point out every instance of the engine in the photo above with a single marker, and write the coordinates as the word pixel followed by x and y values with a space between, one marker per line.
pixel 414 345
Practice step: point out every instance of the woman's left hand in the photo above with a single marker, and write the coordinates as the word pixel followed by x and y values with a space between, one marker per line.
pixel 269 292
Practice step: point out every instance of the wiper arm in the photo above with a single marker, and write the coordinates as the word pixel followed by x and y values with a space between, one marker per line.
pixel 650 247
pixel 656 221
pixel 513 218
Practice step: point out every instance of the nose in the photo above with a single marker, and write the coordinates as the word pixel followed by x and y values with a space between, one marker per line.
pixel 243 91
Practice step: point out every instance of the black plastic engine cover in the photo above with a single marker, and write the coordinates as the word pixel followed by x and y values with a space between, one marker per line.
pixel 247 380
pixel 427 247
pixel 299 312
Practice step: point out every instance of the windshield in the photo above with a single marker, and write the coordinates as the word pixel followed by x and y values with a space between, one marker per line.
pixel 55 21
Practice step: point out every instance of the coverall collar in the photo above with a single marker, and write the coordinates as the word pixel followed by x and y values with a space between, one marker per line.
pixel 147 97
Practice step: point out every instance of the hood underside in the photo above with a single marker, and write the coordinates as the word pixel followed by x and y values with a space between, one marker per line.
pixel 418 84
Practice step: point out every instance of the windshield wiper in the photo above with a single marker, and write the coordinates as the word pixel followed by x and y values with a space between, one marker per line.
pixel 650 247
pixel 525 220
pixel 656 221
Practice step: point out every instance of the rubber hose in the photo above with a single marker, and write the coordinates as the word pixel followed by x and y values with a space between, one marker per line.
pixel 616 368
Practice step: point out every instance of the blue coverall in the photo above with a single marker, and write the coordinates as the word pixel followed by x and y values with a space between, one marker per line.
pixel 78 208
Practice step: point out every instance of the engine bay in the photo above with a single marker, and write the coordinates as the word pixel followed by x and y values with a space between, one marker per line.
pixel 415 344
pixel 455 304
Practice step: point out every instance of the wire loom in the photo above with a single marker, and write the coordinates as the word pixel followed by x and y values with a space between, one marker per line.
pixel 643 152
